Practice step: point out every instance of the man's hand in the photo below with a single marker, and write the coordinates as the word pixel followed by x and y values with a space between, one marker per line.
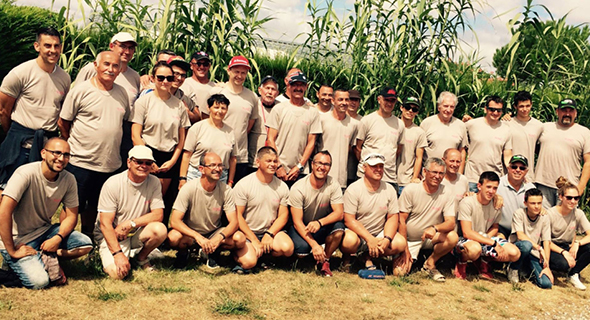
pixel 318 253
pixel 384 244
pixel 122 230
pixel 508 117
pixel 122 264
pixel 258 248
pixel 574 249
pixel 428 233
pixel 498 201
pixel 502 254
pixel 293 174
pixel 267 243
pixel 466 118
pixel 181 183
pixel 543 259
pixel 374 249
pixel 166 166
pixel 546 271
pixel 22 250
pixel 144 81
pixel 51 245
pixel 571 261
pixel 154 168
pixel 313 226
pixel 543 211
pixel 281 173
pixel 416 180
pixel 403 263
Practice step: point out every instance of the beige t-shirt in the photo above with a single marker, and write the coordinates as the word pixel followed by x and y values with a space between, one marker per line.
pixel 128 200
pixel 198 92
pixel 482 217
pixel 161 121
pixel 486 146
pixel 538 230
pixel 381 135
pixel 371 208
pixel 203 210
pixel 524 140
pixel 129 80
pixel 337 137
pixel 563 228
pixel 457 187
pixel 97 125
pixel 242 108
pixel 257 136
pixel 415 138
pixel 562 153
pixel 293 124
pixel 39 95
pixel 262 201
pixel 315 203
pixel 38 200
pixel 425 209
pixel 188 102
pixel 352 160
pixel 204 137
pixel 442 136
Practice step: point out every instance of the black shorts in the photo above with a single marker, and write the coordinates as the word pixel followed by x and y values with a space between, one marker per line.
pixel 162 157
pixel 89 185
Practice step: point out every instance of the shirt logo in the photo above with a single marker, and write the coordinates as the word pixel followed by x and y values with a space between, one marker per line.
pixel 323 205
pixel 216 209
pixel 305 122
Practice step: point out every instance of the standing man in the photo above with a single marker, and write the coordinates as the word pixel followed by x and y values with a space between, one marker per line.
pixel 353 108
pixel 565 151
pixel 317 210
pixel 31 198
pixel 198 86
pixel 490 142
pixel 292 129
pixel 242 111
pixel 338 137
pixel 443 131
pixel 92 121
pixel 427 217
pixel 382 133
pixel 131 211
pixel 325 97
pixel 179 70
pixel 268 91
pixel 453 179
pixel 31 97
pixel 410 159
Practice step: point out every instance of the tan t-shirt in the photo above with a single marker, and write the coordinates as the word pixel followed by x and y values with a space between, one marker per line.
pixel 39 95
pixel 486 146
pixel 442 136
pixel 524 140
pixel 425 209
pixel 562 153
pixel 293 124
pixel 203 210
pixel 381 135
pixel 538 230
pixel 371 208
pixel 482 217
pixel 188 102
pixel 204 137
pixel 97 125
pixel 457 187
pixel 315 203
pixel 258 134
pixel 242 108
pixel 161 121
pixel 564 228
pixel 38 200
pixel 262 201
pixel 129 80
pixel 415 139
pixel 337 137
pixel 352 160
pixel 198 92
pixel 127 199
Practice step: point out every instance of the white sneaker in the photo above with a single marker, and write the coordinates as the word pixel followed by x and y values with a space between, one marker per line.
pixel 574 279
pixel 156 254
pixel 513 275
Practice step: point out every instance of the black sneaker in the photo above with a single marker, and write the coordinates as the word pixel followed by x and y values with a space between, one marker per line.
pixel 212 261
pixel 181 260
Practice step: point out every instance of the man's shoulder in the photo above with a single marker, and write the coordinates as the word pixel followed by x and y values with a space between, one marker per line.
pixel 29 169
pixel 132 73
pixel 301 184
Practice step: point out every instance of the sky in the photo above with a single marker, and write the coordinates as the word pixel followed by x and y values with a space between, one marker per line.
pixel 489 22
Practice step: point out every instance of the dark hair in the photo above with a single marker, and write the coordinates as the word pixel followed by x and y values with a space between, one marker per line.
pixel 490 176
pixel 166 51
pixel 495 99
pixel 532 192
pixel 341 90
pixel 323 152
pixel 48 31
pixel 325 85
pixel 521 96
pixel 219 98
pixel 160 64
pixel 266 150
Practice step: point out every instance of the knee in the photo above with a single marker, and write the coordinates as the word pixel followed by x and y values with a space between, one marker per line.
pixel 174 238
pixel 452 238
pixel 336 236
pixel 157 231
pixel 399 243
pixel 350 242
pixel 239 239
pixel 513 252
pixel 525 247
pixel 38 280
pixel 248 261
pixel 472 250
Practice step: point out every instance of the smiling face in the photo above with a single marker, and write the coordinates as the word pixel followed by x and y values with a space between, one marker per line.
pixel 218 111
pixel 108 66
pixel 49 48
pixel 56 155
pixel 320 166
pixel 297 89
pixel 517 171
pixel 179 76
pixel 201 68
pixel 566 116
pixel 434 175
pixel 325 96
pixel 212 168
pixel 124 49
pixel 268 163
pixel 237 75
pixel 341 101
pixel 268 91
pixel 453 161
pixel 446 109
pixel 570 198
pixel 373 173
pixel 386 105
pixel 523 108
pixel 487 189
pixel 494 111
pixel 162 77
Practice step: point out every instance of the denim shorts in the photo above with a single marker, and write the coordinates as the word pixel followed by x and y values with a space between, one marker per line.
pixel 302 247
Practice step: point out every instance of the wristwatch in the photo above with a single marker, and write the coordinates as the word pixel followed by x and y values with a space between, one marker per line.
pixel 299 166
pixel 133 224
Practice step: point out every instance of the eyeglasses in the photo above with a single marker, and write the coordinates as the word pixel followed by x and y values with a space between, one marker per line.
pixel 125 48
pixel 409 108
pixel 201 64
pixel 522 168
pixel 213 166
pixel 570 198
pixel 495 109
pixel 436 173
pixel 181 75
pixel 58 154
pixel 325 164
pixel 168 78
pixel 142 162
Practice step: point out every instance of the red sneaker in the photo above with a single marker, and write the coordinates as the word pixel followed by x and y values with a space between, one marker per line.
pixel 325 271
pixel 461 270
pixel 485 271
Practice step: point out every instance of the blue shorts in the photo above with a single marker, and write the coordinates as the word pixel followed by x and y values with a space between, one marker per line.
pixel 302 247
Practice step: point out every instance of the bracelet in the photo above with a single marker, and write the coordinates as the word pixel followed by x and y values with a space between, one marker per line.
pixel 269 233
pixel 321 225
pixel 181 178
pixel 562 251
pixel 230 182
pixel 388 238
pixel 117 252
pixel 223 235
pixel 59 235
pixel 435 229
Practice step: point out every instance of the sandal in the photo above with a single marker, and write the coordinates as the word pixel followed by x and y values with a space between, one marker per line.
pixel 146 265
pixel 434 274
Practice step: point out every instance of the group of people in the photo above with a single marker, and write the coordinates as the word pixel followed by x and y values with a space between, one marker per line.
pixel 274 175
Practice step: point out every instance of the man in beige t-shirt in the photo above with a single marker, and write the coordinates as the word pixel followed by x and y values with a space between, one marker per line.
pixel 427 217
pixel 196 218
pixel 453 180
pixel 325 97
pixel 371 216
pixel 131 212
pixel 268 90
pixel 338 136
pixel 410 158
pixel 353 109
pixel 31 96
pixel 197 87
pixel 317 210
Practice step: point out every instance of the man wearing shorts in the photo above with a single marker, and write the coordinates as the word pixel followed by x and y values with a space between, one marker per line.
pixel 317 211
pixel 130 216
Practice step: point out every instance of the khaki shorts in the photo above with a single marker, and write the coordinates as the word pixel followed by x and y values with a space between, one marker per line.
pixel 415 246
pixel 126 245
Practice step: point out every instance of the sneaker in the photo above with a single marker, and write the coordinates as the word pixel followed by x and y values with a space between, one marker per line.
pixel 461 270
pixel 181 260
pixel 484 269
pixel 211 262
pixel 513 275
pixel 325 270
pixel 574 279
pixel 156 254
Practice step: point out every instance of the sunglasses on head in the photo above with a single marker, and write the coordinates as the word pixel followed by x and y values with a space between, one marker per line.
pixel 413 109
pixel 162 78
pixel 522 168
pixel 142 162
pixel 570 198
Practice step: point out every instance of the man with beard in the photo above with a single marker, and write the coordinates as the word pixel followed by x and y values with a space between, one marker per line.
pixel 563 144
pixel 268 90
pixel 325 96
pixel 31 198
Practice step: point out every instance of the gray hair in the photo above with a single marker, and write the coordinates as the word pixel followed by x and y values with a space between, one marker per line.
pixel 445 94
pixel 436 161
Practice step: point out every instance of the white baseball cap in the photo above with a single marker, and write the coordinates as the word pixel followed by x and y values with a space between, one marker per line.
pixel 123 37
pixel 141 153
pixel 374 159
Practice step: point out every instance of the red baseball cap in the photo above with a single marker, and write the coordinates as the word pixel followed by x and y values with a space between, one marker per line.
pixel 238 61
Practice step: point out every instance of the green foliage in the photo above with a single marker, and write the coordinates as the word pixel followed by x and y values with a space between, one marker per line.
pixel 166 289
pixel 105 295
pixel 229 306
pixel 402 281
pixel 481 288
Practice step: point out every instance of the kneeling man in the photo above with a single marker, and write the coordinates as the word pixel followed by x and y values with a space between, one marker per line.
pixel 130 212
pixel 317 210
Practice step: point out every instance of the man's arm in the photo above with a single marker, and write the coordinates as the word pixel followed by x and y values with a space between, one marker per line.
pixel 186 158
pixel 463 159
pixel 523 237
pixel 402 227
pixel 243 225
pixel 136 130
pixel 64 127
pixel 507 155
pixel 418 165
pixel 271 138
pixel 294 172
pixel 280 221
pixel 585 174
pixel 297 216
pixel 493 231
pixel 6 105
pixel 250 124
pixel 7 207
pixel 352 223
pixel 106 227
pixel 358 148
pixel 66 226
pixel 178 224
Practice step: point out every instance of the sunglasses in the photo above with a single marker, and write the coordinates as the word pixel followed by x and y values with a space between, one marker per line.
pixel 409 108
pixel 181 75
pixel 495 109
pixel 58 154
pixel 570 198
pixel 142 162
pixel 162 78
pixel 522 168
pixel 201 64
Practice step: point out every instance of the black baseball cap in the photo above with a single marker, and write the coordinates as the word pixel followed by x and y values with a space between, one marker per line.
pixel 519 158
pixel 268 78
pixel 200 55
pixel 388 92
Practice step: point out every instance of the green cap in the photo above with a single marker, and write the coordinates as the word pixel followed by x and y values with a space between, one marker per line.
pixel 413 100
pixel 519 158
pixel 567 103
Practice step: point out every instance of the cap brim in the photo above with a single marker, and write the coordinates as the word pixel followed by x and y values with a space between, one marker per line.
pixel 374 162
